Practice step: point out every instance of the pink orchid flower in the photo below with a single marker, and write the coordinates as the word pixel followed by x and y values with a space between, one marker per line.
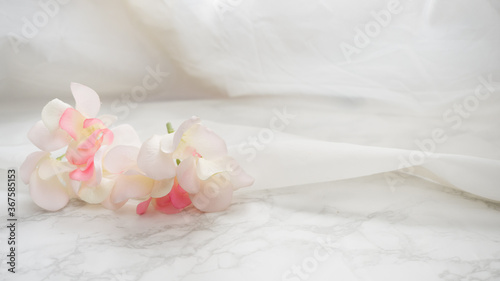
pixel 79 172
pixel 88 135
pixel 126 163
pixel 205 172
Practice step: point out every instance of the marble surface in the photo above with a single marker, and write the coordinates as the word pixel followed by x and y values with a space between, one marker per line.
pixel 346 230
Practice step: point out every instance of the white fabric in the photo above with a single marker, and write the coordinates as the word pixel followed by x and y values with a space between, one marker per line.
pixel 421 97
pixel 429 51
pixel 402 51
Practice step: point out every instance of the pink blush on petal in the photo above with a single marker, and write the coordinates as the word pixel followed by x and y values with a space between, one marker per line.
pixel 77 156
pixel 97 138
pixel 107 137
pixel 87 149
pixel 71 120
pixel 164 205
pixel 83 175
pixel 179 197
pixel 143 207
pixel 92 121
pixel 196 154
pixel 92 141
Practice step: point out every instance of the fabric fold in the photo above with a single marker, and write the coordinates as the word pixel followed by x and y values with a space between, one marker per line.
pixel 290 162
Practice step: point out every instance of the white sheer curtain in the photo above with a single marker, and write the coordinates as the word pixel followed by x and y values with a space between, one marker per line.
pixel 396 50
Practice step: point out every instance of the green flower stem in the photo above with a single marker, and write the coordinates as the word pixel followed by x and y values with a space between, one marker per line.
pixel 170 129
pixel 61 157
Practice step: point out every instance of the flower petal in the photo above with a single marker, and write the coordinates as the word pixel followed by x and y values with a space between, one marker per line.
pixel 97 175
pixel 91 122
pixel 126 135
pixel 143 207
pixel 29 165
pixel 81 153
pixel 239 178
pixel 107 136
pixel 164 205
pixel 48 140
pixel 48 194
pixel 162 187
pixel 51 167
pixel 134 186
pixel 96 139
pixel 155 163
pixel 71 121
pixel 193 134
pixel 71 185
pixel 167 143
pixel 216 194
pixel 52 112
pixel 179 197
pixel 207 143
pixel 74 185
pixel 207 168
pixel 83 175
pixel 187 177
pixel 186 125
pixel 86 100
pixel 112 206
pixel 96 194
pixel 121 158
pixel 77 156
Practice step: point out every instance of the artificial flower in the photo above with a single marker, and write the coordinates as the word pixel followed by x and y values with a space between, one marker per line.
pixel 156 160
pixel 78 172
pixel 204 171
pixel 110 165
